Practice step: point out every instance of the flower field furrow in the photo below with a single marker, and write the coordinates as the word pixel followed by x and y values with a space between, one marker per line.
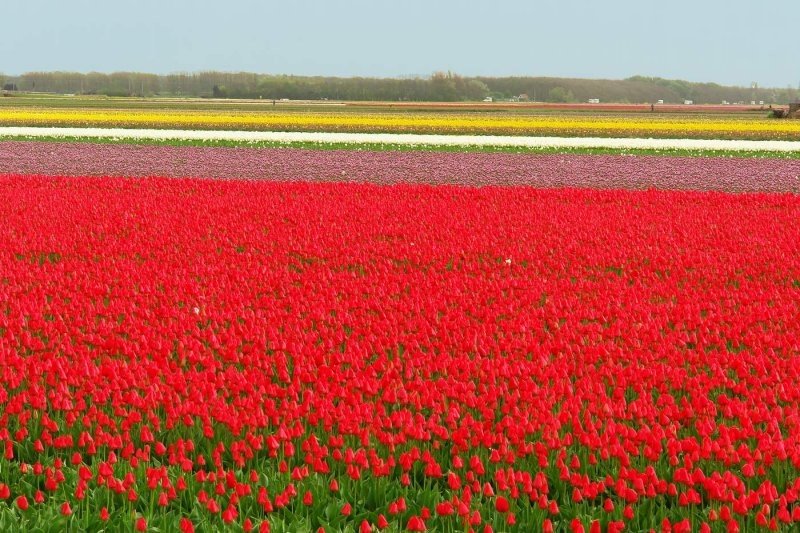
pixel 391 167
pixel 199 354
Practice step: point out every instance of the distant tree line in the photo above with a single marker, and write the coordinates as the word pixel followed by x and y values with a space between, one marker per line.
pixel 439 87
pixel 637 89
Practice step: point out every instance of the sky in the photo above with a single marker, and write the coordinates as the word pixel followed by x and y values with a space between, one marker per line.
pixel 730 42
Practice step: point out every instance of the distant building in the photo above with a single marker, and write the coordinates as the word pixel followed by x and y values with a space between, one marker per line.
pixel 660 102
pixel 688 102
pixel 488 99
pixel 523 97
pixel 594 100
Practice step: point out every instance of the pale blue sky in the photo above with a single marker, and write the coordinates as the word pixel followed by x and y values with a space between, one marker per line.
pixel 729 42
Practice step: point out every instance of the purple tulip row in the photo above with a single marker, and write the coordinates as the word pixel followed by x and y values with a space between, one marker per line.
pixel 471 169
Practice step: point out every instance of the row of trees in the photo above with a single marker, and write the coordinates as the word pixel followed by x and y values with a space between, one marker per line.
pixel 441 86
pixel 637 89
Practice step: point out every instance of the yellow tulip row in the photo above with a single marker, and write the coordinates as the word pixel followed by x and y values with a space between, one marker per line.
pixel 665 125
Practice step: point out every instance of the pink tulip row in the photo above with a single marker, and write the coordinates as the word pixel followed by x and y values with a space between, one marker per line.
pixel 389 167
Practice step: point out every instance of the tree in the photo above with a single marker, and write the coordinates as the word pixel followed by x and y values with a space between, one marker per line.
pixel 560 95
pixel 219 91
pixel 476 90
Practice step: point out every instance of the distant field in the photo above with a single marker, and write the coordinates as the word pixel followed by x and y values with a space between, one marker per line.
pixel 566 120
pixel 51 100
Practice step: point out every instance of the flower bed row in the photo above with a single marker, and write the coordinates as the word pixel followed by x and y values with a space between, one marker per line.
pixel 585 139
pixel 289 356
pixel 343 120
pixel 391 167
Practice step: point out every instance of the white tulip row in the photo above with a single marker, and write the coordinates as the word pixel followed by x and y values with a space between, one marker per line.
pixel 404 139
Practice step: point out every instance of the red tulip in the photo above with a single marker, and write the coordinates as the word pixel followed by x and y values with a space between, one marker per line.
pixel 627 513
pixel 501 504
pixel 444 509
pixel 22 503
pixel 415 523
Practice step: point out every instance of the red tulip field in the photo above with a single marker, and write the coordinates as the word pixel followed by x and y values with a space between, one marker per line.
pixel 199 355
